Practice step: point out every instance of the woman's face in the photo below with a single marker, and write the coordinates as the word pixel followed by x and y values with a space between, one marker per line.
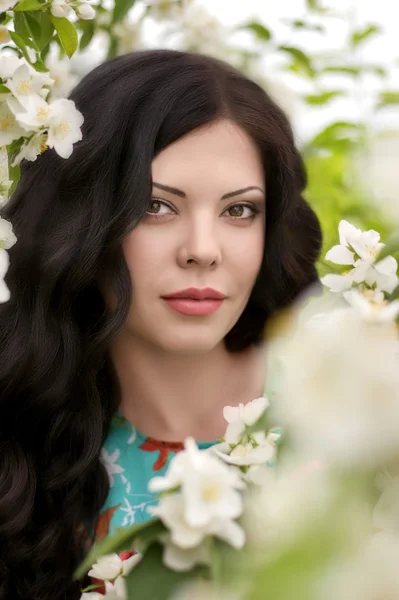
pixel 204 230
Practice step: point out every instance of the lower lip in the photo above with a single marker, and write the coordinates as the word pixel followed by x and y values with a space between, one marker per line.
pixel 188 306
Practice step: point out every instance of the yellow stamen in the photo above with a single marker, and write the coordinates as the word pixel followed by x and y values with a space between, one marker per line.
pixel 7 122
pixel 24 86
pixel 210 493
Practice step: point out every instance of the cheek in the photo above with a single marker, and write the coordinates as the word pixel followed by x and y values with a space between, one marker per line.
pixel 145 256
pixel 245 258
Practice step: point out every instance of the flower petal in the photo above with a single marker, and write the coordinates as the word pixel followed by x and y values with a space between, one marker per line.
pixel 337 283
pixel 230 532
pixel 340 255
pixel 181 560
pixel 387 266
pixel 347 232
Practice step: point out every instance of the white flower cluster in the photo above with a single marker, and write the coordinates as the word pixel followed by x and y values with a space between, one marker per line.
pixel 7 240
pixel 110 572
pixel 201 495
pixel 249 450
pixel 25 112
pixel 66 8
pixel 367 283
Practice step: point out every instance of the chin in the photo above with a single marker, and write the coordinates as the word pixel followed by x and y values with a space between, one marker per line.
pixel 190 344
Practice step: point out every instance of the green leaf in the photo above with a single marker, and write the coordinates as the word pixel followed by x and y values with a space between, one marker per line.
pixel 24 5
pixel 363 34
pixel 150 579
pixel 4 89
pixel 20 28
pixel 323 98
pixel 121 8
pixel 388 99
pixel 301 60
pixel 262 33
pixel 121 540
pixel 67 34
pixel 20 42
pixel 342 69
pixel 89 29
pixel 299 24
pixel 339 136
pixel 46 28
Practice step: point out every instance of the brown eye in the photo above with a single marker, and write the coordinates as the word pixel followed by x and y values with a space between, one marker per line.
pixel 241 211
pixel 237 210
pixel 159 208
pixel 154 207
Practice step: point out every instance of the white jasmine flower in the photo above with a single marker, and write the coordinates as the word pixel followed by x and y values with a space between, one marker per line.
pixel 7 5
pixel 172 510
pixel 258 451
pixel 185 559
pixel 32 148
pixel 60 8
pixel 4 264
pixel 9 63
pixel 61 73
pixel 10 129
pixel 241 416
pixel 107 567
pixel 338 283
pixel 35 113
pixel 64 127
pixel 116 590
pixel 7 236
pixel 26 82
pixel 85 11
pixel 209 487
pixel 372 306
pixel 366 244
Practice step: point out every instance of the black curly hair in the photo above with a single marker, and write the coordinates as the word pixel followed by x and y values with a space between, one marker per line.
pixel 58 388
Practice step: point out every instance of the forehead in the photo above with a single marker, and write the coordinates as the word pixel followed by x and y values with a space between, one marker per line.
pixel 220 149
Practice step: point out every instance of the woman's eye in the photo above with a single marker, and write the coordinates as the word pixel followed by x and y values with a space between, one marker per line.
pixel 241 211
pixel 159 208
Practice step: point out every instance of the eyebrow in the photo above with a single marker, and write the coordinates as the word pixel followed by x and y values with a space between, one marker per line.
pixel 181 194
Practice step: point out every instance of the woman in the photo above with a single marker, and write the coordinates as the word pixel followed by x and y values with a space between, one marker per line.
pixel 145 270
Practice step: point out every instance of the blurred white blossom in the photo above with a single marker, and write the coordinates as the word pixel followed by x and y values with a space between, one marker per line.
pixel 61 73
pixel 372 306
pixel 339 396
pixel 372 573
pixel 7 5
pixel 4 35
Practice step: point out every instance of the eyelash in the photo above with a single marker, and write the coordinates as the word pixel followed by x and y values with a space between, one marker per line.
pixel 255 210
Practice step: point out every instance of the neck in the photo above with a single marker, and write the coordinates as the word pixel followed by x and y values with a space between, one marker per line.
pixel 171 396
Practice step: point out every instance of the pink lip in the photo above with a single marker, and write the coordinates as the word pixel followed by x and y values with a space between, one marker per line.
pixel 195 302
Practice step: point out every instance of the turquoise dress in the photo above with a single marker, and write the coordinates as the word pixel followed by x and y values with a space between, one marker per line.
pixel 132 459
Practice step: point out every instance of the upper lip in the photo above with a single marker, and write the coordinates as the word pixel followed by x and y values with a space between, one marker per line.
pixel 197 294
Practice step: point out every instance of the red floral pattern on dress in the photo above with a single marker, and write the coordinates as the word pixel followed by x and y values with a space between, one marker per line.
pixel 104 521
pixel 164 449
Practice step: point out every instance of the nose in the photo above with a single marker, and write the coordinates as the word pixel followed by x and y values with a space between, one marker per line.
pixel 200 246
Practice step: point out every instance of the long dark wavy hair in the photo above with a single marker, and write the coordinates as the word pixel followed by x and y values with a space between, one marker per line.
pixel 58 388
